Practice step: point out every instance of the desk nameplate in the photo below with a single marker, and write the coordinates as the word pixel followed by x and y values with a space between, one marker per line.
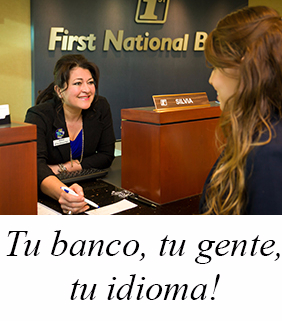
pixel 180 101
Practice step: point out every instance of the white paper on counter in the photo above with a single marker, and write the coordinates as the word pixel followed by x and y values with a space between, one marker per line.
pixel 45 210
pixel 118 207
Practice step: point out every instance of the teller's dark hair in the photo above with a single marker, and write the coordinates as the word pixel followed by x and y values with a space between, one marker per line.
pixel 61 74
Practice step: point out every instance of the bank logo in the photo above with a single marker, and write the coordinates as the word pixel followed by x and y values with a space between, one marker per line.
pixel 151 11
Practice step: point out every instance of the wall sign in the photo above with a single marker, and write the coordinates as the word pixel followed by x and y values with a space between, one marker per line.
pixel 60 35
pixel 142 47
pixel 149 14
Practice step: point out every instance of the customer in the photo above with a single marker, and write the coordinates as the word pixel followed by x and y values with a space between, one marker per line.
pixel 74 128
pixel 245 51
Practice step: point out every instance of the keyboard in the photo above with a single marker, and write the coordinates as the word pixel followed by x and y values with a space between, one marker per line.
pixel 82 175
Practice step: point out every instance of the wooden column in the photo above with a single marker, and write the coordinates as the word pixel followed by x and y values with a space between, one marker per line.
pixel 18 169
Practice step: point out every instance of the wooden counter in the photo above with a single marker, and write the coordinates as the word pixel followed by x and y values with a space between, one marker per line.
pixel 167 155
pixel 18 169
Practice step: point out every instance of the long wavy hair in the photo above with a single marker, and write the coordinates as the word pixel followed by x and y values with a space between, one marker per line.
pixel 251 41
pixel 61 74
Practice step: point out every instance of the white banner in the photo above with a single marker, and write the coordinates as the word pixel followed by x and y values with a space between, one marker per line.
pixel 140 268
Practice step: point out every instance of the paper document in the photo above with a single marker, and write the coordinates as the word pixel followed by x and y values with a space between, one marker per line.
pixel 45 210
pixel 120 206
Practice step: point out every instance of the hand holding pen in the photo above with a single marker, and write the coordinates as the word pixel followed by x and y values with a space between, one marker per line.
pixel 70 191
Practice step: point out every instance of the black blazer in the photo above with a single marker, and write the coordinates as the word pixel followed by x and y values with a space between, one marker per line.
pixel 263 177
pixel 99 138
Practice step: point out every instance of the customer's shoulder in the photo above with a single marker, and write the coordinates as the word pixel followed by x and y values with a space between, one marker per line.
pixel 275 138
pixel 270 144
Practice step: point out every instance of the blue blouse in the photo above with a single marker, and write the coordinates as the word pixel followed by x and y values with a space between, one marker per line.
pixel 76 146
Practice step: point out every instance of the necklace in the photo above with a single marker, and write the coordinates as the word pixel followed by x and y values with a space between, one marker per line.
pixel 82 149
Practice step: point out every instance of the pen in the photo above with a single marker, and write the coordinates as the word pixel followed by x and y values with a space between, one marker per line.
pixel 68 190
pixel 141 200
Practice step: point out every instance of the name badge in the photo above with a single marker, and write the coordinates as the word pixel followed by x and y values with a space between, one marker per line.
pixel 61 141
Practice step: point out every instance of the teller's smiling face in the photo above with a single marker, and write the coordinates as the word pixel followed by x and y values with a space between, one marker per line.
pixel 80 91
